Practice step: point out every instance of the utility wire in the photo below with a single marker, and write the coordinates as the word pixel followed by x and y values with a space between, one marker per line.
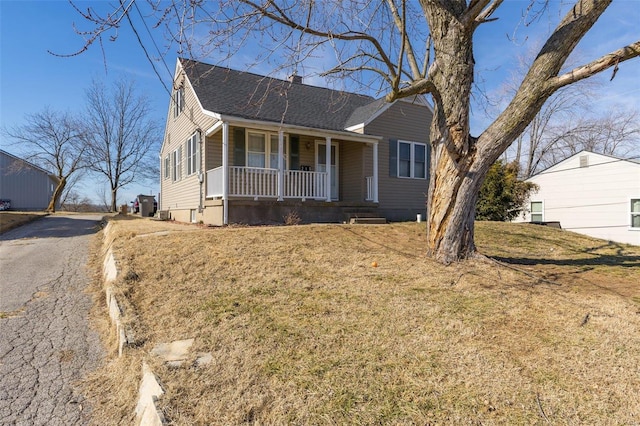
pixel 153 41
pixel 147 53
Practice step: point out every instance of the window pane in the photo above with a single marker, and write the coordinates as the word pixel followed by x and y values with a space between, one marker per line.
pixel 322 154
pixel 274 144
pixel 536 207
pixel 419 170
pixel 420 159
pixel 255 159
pixel 635 206
pixel 536 218
pixel 256 142
pixel 404 168
pixel 273 149
pixel 273 161
pixel 635 221
pixel 404 151
pixel 420 153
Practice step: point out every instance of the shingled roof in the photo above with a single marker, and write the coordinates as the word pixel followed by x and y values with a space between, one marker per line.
pixel 251 96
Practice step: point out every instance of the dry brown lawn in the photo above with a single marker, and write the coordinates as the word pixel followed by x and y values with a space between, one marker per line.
pixel 11 219
pixel 304 330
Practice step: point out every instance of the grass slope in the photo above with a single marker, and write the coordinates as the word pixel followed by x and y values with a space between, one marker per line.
pixel 304 330
pixel 11 219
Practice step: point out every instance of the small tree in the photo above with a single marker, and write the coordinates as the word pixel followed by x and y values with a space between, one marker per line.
pixel 54 141
pixel 502 195
pixel 122 137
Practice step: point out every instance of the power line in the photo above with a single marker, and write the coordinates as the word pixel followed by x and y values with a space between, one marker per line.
pixel 153 40
pixel 146 52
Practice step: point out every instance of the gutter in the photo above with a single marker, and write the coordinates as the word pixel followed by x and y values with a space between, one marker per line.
pixel 312 131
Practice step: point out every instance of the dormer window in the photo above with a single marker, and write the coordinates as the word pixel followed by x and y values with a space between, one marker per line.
pixel 178 103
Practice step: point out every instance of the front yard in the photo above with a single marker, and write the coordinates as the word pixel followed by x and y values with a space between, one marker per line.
pixel 304 329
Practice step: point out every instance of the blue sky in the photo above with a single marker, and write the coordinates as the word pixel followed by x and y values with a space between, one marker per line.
pixel 31 78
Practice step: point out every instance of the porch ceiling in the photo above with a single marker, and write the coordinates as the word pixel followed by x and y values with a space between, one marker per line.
pixel 288 128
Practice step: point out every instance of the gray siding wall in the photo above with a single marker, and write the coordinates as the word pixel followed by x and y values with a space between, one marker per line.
pixel 400 198
pixel 352 178
pixel 27 187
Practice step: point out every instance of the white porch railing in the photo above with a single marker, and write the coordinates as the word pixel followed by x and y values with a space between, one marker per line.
pixel 303 184
pixel 263 183
pixel 253 182
pixel 214 182
pixel 370 188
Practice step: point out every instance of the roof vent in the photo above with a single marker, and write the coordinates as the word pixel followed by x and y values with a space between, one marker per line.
pixel 295 78
pixel 584 161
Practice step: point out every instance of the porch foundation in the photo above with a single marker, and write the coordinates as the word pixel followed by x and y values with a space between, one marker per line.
pixel 265 212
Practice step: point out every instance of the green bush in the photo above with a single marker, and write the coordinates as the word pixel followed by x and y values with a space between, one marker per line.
pixel 502 195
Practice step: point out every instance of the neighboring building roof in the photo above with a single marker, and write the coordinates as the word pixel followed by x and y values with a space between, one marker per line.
pixel 246 95
pixel 607 160
pixel 33 166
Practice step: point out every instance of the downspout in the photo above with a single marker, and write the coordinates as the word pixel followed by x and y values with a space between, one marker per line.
pixel 200 173
pixel 162 172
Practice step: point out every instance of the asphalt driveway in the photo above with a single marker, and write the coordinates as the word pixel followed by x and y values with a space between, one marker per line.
pixel 45 341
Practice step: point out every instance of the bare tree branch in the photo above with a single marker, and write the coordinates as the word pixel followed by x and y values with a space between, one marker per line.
pixel 594 67
pixel 122 139
pixel 54 141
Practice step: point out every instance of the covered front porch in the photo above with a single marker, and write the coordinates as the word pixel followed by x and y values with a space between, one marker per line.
pixel 257 162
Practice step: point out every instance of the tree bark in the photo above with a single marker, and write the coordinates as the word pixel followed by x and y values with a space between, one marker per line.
pixel 56 195
pixel 114 200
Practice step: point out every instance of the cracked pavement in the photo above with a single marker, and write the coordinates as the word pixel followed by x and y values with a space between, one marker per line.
pixel 46 344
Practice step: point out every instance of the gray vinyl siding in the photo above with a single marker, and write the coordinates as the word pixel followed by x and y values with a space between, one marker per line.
pixel 185 193
pixel 352 177
pixel 409 122
pixel 28 187
pixel 213 151
pixel 307 155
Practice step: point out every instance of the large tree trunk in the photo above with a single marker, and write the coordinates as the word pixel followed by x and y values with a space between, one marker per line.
pixel 114 200
pixel 57 193
pixel 452 188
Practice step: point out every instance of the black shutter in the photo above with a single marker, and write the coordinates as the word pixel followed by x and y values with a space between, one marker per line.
pixel 393 157
pixel 294 152
pixel 238 147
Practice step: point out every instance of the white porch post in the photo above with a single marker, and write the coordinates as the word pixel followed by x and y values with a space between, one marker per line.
pixel 375 172
pixel 225 173
pixel 328 166
pixel 280 165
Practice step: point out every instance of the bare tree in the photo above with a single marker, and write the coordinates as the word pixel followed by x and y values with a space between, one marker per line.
pixel 567 123
pixel 122 138
pixel 615 132
pixel 54 141
pixel 412 48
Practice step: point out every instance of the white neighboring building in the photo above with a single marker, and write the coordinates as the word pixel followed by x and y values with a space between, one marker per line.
pixel 592 194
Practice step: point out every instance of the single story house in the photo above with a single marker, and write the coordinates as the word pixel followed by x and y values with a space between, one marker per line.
pixel 26 186
pixel 592 194
pixel 245 148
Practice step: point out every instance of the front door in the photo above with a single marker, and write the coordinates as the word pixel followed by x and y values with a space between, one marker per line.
pixel 321 164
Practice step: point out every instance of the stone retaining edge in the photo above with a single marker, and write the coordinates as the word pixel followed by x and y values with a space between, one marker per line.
pixel 147 414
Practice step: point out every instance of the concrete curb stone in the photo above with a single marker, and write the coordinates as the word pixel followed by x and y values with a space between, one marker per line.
pixel 150 389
